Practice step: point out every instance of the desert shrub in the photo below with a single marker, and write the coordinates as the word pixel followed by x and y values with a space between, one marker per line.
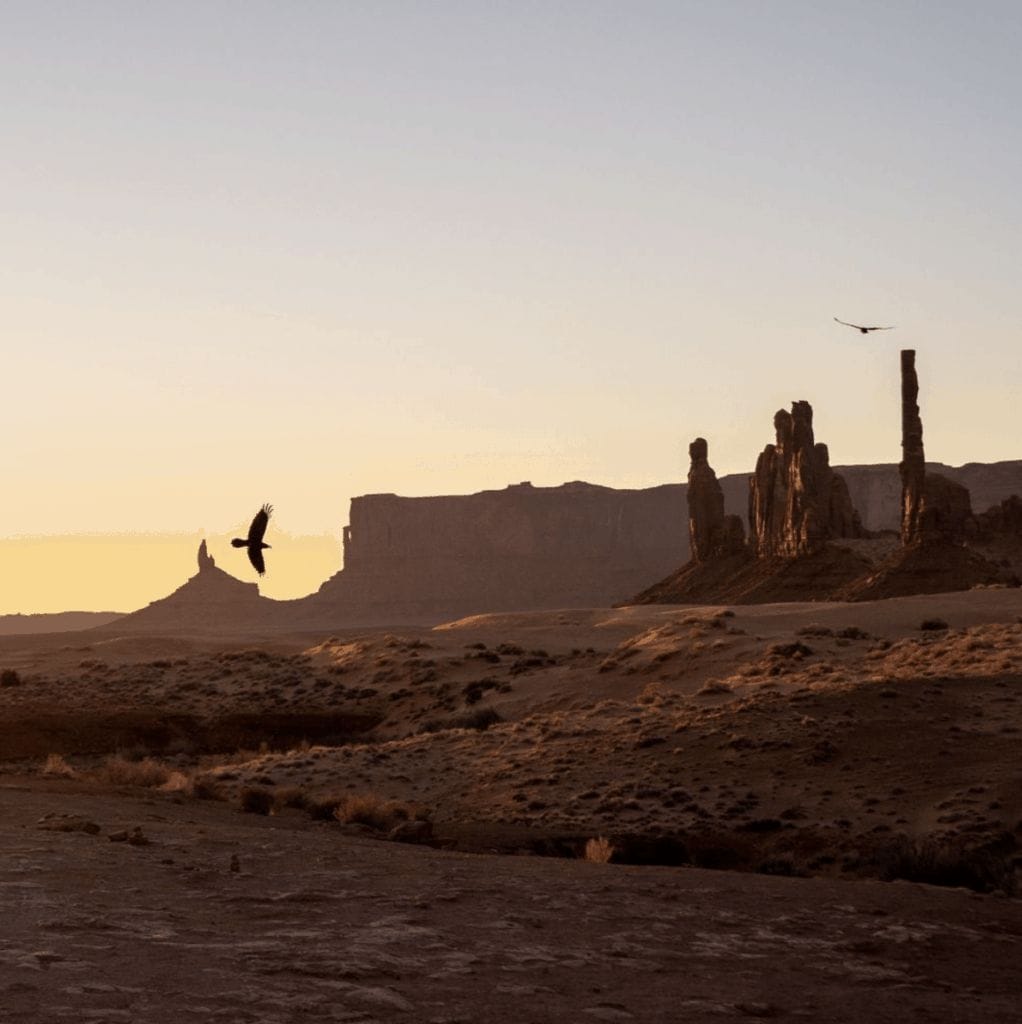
pixel 207 787
pixel 480 719
pixel 57 767
pixel 946 863
pixel 598 851
pixel 256 800
pixel 322 807
pixel 119 771
pixel 932 625
pixel 290 796
pixel 177 782
pixel 795 649
pixel 376 811
pixel 475 691
pixel 10 677
pixel 647 849
pixel 853 633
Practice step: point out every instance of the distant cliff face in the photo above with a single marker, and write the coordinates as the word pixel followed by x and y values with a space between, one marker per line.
pixel 875 491
pixel 423 560
pixel 521 547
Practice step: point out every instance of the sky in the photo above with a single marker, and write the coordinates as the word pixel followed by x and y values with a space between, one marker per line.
pixel 298 252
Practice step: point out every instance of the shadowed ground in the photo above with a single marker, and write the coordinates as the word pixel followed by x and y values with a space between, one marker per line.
pixel 323 926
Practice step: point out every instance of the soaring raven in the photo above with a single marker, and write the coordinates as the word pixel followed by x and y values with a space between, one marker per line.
pixel 864 330
pixel 254 543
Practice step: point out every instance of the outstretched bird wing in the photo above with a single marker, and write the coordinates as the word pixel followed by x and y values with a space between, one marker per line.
pixel 255 556
pixel 258 529
pixel 859 327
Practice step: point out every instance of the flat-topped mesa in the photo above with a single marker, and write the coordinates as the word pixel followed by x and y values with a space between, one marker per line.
pixel 797 503
pixel 712 534
pixel 934 509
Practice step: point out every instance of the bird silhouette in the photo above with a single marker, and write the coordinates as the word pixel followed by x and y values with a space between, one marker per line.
pixel 864 330
pixel 254 541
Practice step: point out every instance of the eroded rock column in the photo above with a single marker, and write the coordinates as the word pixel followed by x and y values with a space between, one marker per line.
pixel 712 534
pixel 913 458
pixel 796 501
pixel 934 509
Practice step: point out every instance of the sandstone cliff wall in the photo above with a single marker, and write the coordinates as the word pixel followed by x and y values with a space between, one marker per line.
pixel 522 547
pixel 422 559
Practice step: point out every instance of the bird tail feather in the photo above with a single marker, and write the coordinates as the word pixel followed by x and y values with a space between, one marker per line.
pixel 236 543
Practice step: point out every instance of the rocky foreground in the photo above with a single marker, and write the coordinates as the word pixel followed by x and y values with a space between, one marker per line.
pixel 197 912
pixel 859 748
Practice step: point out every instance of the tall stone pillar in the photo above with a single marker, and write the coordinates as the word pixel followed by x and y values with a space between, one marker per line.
pixel 913 458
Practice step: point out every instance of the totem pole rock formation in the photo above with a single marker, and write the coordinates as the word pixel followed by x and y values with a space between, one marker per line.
pixel 712 534
pixel 934 509
pixel 206 560
pixel 796 501
pixel 913 458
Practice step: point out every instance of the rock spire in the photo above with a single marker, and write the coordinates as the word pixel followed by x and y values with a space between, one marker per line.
pixel 206 560
pixel 934 509
pixel 796 501
pixel 712 534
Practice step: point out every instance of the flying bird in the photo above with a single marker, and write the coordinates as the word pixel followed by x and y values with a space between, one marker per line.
pixel 254 542
pixel 864 330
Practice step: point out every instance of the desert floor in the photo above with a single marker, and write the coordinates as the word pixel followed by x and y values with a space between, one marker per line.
pixel 841 743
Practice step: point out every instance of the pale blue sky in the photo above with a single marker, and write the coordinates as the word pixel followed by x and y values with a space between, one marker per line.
pixel 437 247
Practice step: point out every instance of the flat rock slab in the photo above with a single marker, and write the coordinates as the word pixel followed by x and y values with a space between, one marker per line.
pixel 313 925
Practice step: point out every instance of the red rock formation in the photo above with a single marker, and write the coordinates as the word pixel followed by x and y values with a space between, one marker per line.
pixel 206 560
pixel 796 501
pixel 913 458
pixel 712 534
pixel 934 509
pixel 1001 521
pixel 433 558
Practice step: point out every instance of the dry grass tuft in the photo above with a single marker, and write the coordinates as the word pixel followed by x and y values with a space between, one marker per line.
pixel 598 851
pixel 290 796
pixel 947 862
pixel 58 768
pixel 10 677
pixel 207 787
pixel 119 771
pixel 178 782
pixel 376 811
pixel 256 800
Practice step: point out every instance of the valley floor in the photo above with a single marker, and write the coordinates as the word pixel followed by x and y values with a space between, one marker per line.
pixel 845 743
pixel 321 926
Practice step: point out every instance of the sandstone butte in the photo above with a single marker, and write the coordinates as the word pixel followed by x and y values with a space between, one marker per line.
pixel 804 526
